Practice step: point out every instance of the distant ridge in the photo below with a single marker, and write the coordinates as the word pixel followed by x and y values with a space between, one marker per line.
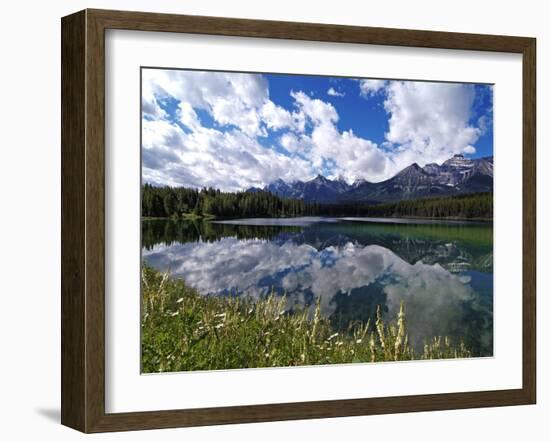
pixel 458 175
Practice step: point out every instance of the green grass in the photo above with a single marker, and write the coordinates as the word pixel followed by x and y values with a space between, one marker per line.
pixel 183 330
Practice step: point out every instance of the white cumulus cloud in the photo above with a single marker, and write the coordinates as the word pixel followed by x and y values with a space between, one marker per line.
pixel 230 98
pixel 228 160
pixel 429 122
pixel 334 93
pixel 352 157
pixel 371 87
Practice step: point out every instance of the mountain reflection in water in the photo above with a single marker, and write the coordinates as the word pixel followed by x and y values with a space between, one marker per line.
pixel 443 272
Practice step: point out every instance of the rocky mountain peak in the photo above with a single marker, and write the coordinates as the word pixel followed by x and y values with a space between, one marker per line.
pixel 459 161
pixel 320 179
pixel 412 170
pixel 457 175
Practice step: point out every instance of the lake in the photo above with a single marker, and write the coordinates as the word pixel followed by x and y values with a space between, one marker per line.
pixel 443 271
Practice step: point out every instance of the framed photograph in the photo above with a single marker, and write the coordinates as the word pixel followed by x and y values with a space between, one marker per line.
pixel 267 221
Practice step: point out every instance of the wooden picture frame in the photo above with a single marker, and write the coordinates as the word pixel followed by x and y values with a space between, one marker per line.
pixel 83 220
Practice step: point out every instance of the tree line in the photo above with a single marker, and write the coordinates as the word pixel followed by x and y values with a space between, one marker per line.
pixel 473 205
pixel 175 202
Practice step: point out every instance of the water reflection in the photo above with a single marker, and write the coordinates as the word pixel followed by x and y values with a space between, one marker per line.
pixel 444 273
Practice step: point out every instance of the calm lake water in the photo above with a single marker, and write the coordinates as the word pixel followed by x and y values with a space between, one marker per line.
pixel 442 270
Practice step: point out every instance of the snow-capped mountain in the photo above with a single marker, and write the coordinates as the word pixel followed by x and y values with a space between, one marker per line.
pixel 457 175
pixel 283 189
pixel 322 189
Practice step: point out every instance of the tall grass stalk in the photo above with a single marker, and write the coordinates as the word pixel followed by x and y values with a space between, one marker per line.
pixel 183 330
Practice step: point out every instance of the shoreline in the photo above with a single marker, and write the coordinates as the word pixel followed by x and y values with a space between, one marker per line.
pixel 243 332
pixel 372 219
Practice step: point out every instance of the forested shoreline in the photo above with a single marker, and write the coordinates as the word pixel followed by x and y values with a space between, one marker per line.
pixel 176 202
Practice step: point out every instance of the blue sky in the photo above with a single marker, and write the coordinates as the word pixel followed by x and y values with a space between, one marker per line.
pixel 233 130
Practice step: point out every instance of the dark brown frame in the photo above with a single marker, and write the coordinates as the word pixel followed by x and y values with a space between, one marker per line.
pixel 83 216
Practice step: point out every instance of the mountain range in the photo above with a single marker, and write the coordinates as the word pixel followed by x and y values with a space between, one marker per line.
pixel 457 175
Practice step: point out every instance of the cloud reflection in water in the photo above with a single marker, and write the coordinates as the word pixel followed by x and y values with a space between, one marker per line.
pixel 438 302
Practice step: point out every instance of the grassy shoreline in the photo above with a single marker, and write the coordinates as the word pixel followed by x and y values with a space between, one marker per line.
pixel 183 330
